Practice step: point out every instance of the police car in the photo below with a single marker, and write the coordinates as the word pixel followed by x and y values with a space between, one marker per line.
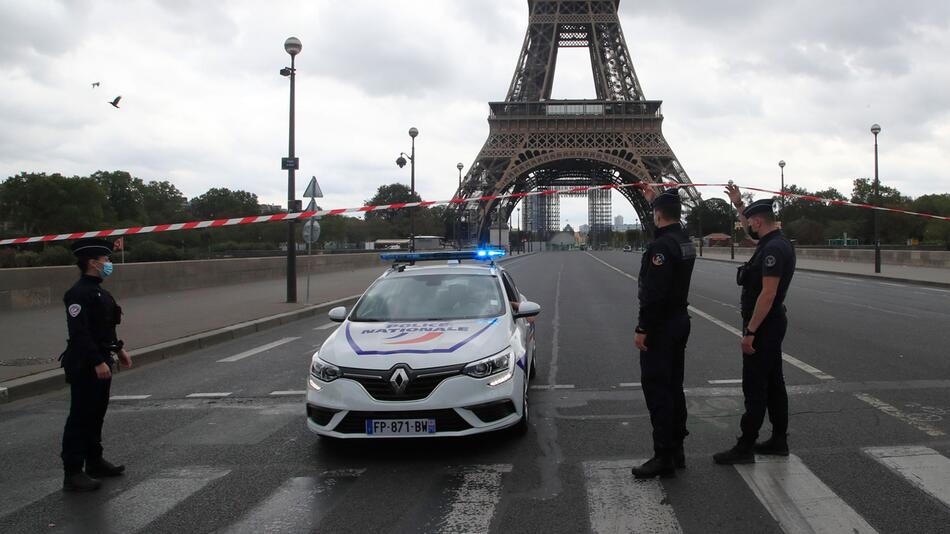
pixel 442 344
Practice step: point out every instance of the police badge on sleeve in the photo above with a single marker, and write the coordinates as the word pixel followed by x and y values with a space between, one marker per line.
pixel 659 259
pixel 74 310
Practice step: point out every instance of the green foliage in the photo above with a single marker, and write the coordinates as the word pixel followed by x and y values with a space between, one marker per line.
pixel 27 259
pixel 714 216
pixel 152 251
pixel 56 255
pixel 222 203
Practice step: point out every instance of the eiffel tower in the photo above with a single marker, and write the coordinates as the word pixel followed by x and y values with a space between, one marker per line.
pixel 536 143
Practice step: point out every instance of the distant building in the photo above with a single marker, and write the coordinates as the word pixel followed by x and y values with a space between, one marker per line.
pixel 569 230
pixel 270 209
pixel 584 228
pixel 618 222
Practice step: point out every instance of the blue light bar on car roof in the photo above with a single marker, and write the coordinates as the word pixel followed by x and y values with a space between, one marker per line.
pixel 412 257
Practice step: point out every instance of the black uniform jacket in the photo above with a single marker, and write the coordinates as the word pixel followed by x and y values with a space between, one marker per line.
pixel 91 317
pixel 665 272
pixel 774 256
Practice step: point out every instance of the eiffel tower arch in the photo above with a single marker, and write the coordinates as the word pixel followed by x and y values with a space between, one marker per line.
pixel 536 143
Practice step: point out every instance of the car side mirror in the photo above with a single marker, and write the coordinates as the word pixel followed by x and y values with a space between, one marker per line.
pixel 338 314
pixel 527 309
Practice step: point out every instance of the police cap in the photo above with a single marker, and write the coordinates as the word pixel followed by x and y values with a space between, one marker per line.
pixel 670 197
pixel 91 247
pixel 759 206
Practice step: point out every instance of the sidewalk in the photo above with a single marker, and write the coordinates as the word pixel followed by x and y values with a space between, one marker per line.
pixel 33 339
pixel 928 275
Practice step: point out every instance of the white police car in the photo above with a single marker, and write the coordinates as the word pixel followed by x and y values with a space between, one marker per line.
pixel 441 349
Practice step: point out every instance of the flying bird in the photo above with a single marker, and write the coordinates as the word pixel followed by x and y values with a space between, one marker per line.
pixel 95 84
pixel 115 103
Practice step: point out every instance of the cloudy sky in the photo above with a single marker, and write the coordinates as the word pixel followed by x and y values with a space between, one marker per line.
pixel 745 83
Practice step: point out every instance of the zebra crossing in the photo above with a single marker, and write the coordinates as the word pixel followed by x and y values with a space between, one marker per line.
pixel 795 496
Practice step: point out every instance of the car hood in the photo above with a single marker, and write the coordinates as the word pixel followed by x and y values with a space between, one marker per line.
pixel 419 345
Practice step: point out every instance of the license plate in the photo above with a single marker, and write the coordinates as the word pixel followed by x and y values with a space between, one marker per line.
pixel 408 427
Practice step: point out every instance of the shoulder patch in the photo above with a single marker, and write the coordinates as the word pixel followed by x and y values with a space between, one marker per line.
pixel 659 259
pixel 74 310
pixel 770 261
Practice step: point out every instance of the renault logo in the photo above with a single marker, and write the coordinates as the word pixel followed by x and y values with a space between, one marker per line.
pixel 399 381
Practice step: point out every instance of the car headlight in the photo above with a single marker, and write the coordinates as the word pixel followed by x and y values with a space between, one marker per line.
pixel 500 364
pixel 323 371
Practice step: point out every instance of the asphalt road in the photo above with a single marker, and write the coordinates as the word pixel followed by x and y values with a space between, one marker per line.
pixel 869 378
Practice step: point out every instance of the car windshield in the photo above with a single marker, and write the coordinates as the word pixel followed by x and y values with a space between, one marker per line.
pixel 431 297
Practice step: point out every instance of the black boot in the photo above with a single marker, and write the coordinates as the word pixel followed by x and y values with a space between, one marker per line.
pixel 661 465
pixel 101 468
pixel 740 454
pixel 777 445
pixel 80 482
pixel 679 457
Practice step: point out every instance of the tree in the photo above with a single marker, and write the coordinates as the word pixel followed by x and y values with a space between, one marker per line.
pixel 163 203
pixel 222 203
pixel 390 194
pixel 39 203
pixel 715 214
pixel 125 195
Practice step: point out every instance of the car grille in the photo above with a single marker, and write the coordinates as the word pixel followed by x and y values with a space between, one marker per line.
pixel 421 382
pixel 445 420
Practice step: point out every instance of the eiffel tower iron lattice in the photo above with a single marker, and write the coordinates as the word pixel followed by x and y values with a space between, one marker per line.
pixel 536 143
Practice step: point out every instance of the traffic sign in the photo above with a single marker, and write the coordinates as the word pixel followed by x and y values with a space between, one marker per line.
pixel 287 164
pixel 311 231
pixel 312 206
pixel 313 190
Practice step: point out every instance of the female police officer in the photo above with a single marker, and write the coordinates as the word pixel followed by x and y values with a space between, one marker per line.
pixel 91 318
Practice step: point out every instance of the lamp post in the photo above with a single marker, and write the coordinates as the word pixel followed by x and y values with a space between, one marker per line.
pixel 520 226
pixel 458 228
pixel 401 161
pixel 293 47
pixel 781 165
pixel 876 129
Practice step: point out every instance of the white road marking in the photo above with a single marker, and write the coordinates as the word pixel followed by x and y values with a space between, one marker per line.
pixel 297 505
pixel 327 326
pixel 288 393
pixel 208 395
pixel 892 285
pixel 474 500
pixel 258 350
pixel 923 467
pixel 631 384
pixel 555 386
pixel 724 382
pixel 721 303
pixel 869 307
pixel 894 412
pixel 799 500
pixel 935 289
pixel 617 502
pixel 132 510
pixel 817 373
pixel 556 325
pixel 128 397
pixel 20 493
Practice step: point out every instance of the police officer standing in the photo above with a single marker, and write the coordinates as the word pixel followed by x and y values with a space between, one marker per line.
pixel 765 279
pixel 662 331
pixel 91 317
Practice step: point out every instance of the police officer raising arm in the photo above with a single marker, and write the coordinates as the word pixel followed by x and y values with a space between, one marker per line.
pixel 765 280
pixel 91 317
pixel 662 332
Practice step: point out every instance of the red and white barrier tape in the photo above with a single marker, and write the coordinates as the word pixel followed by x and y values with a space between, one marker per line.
pixel 194 225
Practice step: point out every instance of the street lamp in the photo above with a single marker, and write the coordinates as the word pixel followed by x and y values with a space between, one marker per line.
pixel 293 47
pixel 401 161
pixel 781 165
pixel 876 129
pixel 459 207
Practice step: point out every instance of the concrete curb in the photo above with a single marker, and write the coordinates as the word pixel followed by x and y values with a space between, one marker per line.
pixel 925 283
pixel 53 379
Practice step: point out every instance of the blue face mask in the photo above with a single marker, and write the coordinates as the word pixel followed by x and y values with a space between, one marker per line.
pixel 106 269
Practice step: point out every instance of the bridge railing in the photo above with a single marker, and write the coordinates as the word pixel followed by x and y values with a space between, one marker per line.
pixel 577 108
